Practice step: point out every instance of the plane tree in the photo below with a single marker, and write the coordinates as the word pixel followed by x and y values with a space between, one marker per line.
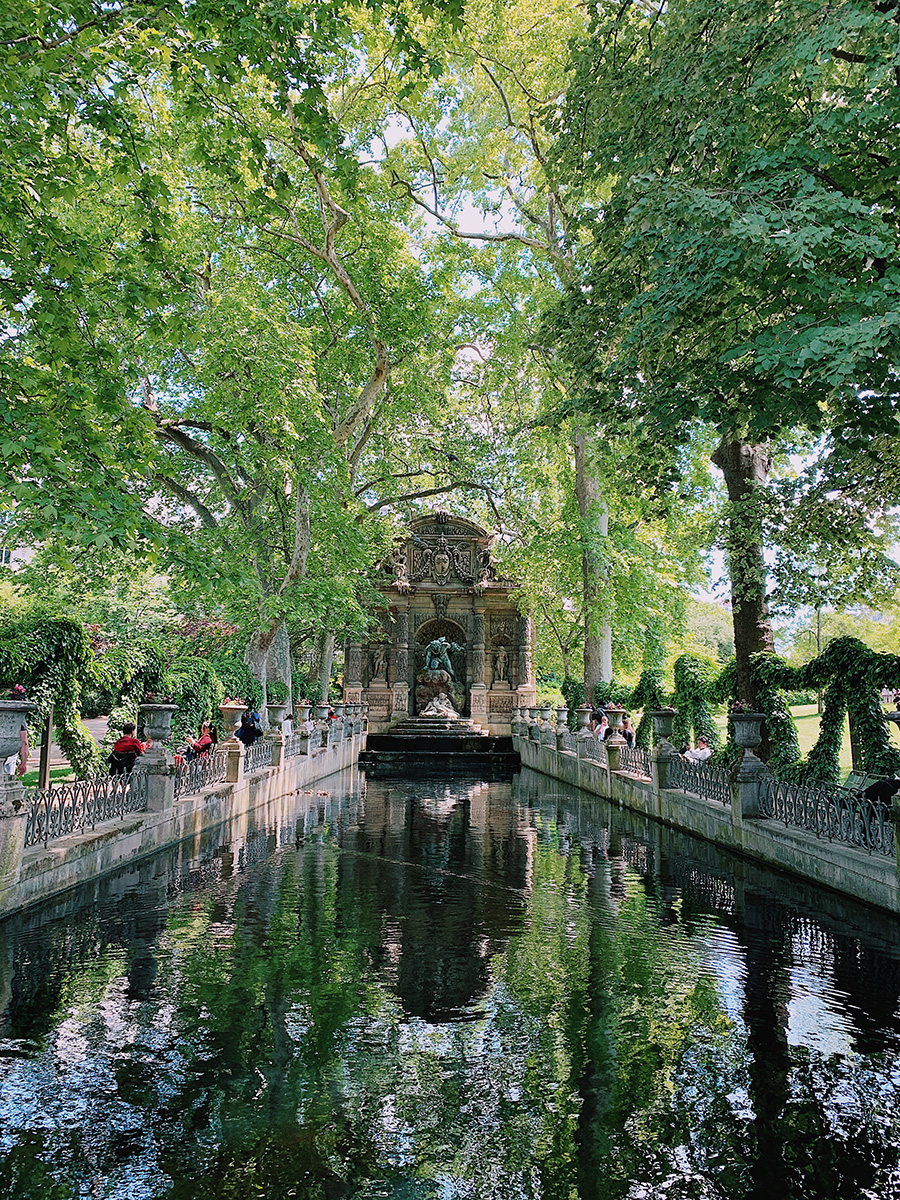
pixel 735 169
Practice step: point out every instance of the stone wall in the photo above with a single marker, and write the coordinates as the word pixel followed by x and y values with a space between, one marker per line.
pixel 873 878
pixel 39 872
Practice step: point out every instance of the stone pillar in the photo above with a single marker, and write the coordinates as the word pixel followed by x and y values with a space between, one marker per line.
pixel 234 767
pixel 276 737
pixel 158 765
pixel 13 818
pixel 478 689
pixel 400 689
pixel 751 772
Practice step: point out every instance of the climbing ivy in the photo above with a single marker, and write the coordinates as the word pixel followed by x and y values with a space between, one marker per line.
pixel 695 677
pixel 197 690
pixel 51 657
pixel 649 693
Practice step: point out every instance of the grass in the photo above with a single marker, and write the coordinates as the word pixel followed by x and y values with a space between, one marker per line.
pixel 57 775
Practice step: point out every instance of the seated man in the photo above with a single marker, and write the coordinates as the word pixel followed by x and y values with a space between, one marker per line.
pixel 125 751
pixel 701 753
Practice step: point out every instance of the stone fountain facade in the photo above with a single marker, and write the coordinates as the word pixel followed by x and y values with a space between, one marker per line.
pixel 448 626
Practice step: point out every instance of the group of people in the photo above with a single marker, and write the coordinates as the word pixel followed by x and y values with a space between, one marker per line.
pixel 128 748
pixel 602 728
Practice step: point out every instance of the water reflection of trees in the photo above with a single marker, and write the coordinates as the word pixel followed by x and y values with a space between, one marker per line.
pixel 489 992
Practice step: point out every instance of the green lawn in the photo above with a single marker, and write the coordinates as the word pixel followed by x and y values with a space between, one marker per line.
pixel 57 775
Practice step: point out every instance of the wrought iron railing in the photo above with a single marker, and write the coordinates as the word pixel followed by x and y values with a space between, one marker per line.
pixel 191 777
pixel 589 747
pixel 258 755
pixel 708 780
pixel 635 760
pixel 73 807
pixel 830 812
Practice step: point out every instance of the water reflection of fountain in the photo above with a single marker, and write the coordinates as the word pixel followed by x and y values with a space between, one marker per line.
pixel 448 867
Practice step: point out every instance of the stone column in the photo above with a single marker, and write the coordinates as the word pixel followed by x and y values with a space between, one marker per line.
pixel 478 690
pixel 400 689
pixel 526 686
pixel 353 673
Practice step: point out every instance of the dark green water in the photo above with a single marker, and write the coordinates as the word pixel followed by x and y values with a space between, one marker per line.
pixel 450 990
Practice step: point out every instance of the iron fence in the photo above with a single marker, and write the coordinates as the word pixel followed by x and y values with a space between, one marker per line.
pixel 592 749
pixel 73 807
pixel 635 760
pixel 191 777
pixel 258 755
pixel 830 812
pixel 708 780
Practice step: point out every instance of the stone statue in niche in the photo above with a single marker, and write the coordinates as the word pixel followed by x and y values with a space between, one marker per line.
pixel 379 655
pixel 501 665
pixel 437 656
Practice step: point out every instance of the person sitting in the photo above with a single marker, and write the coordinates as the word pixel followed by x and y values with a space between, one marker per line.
pixel 601 729
pixel 125 751
pixel 701 753
pixel 627 731
pixel 204 743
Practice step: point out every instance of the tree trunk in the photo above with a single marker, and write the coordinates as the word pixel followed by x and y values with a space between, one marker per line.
pixel 746 470
pixel 594 524
pixel 326 658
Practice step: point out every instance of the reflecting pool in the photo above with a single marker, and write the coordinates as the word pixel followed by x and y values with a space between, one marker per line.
pixel 450 989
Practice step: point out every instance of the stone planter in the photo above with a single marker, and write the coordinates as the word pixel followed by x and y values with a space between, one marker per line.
pixel 663 722
pixel 13 715
pixel 584 718
pixel 562 720
pixel 231 715
pixel 338 710
pixel 156 720
pixel 747 729
pixel 276 713
pixel 303 711
pixel 615 716
pixel 321 712
pixel 546 710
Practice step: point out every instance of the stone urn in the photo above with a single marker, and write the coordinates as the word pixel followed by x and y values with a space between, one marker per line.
pixel 303 711
pixel 663 722
pixel 747 729
pixel 156 720
pixel 615 716
pixel 562 719
pixel 13 715
pixel 276 713
pixel 322 712
pixel 231 715
pixel 584 719
pixel 338 709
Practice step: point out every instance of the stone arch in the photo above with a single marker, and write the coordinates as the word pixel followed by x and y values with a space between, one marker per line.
pixel 441 627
